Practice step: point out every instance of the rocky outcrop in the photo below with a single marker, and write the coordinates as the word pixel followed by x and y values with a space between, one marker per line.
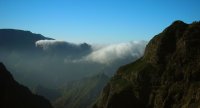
pixel 167 76
pixel 14 95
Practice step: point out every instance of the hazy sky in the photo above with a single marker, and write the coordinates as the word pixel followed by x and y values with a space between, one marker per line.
pixel 96 21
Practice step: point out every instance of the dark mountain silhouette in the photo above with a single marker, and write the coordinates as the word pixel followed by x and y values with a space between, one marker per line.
pixel 14 95
pixel 167 76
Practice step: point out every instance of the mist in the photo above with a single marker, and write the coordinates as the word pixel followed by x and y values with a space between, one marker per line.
pixel 53 44
pixel 48 66
pixel 57 62
pixel 110 53
pixel 38 60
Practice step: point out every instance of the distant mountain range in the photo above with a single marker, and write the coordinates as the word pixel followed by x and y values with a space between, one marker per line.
pixel 19 40
pixel 15 95
pixel 51 67
pixel 167 76
pixel 23 52
pixel 35 59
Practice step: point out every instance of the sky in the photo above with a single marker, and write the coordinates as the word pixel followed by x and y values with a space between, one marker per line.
pixel 96 21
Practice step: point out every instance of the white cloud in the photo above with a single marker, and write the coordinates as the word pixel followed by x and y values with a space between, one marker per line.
pixel 46 44
pixel 110 53
pixel 104 54
pixel 56 44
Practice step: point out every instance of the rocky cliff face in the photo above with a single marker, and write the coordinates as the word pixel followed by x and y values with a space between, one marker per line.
pixel 14 95
pixel 167 76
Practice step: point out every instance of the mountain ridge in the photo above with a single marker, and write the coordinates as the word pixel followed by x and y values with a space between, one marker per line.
pixel 19 38
pixel 167 76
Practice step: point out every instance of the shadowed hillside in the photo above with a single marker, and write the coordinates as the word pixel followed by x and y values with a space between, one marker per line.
pixel 14 95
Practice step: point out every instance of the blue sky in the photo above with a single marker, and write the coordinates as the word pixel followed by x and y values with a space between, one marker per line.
pixel 96 21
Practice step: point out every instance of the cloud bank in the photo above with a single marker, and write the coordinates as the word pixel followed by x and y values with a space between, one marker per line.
pixel 113 52
pixel 64 48
pixel 103 54
pixel 107 54
pixel 47 44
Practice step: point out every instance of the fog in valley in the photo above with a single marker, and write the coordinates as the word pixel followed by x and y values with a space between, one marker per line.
pixel 61 71
pixel 38 61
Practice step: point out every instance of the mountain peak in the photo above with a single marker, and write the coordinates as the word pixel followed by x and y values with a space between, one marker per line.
pixel 164 44
pixel 166 76
pixel 178 22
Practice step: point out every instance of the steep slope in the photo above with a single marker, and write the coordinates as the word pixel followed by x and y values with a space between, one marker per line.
pixel 14 95
pixel 82 93
pixel 167 76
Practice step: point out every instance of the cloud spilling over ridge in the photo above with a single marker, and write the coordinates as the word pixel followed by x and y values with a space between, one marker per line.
pixel 46 44
pixel 110 53
pixel 63 47
pixel 113 52
pixel 103 54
